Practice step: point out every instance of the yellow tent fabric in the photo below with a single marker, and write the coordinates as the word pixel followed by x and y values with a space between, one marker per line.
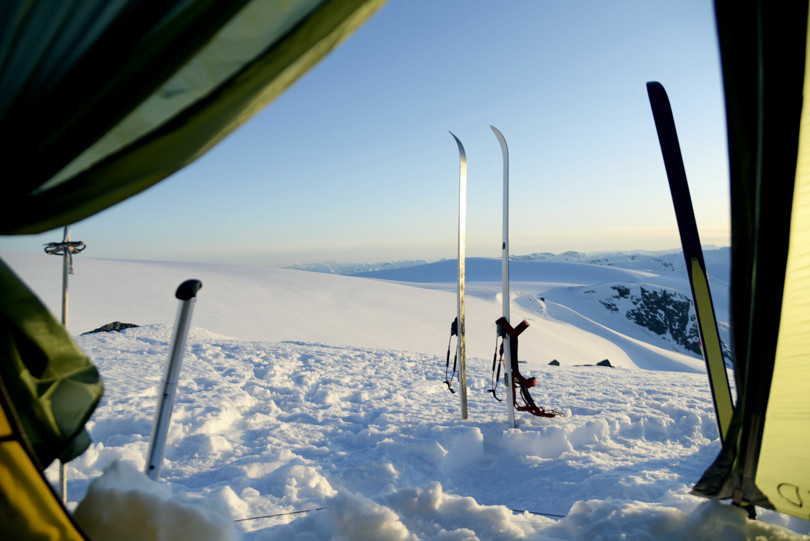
pixel 29 509
pixel 783 474
pixel 764 460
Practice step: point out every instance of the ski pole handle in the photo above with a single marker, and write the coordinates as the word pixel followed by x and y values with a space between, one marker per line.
pixel 187 294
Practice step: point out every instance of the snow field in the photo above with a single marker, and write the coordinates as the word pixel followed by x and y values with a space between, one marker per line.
pixel 324 392
pixel 375 436
pixel 268 304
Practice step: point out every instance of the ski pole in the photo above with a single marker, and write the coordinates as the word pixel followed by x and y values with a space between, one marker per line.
pixel 186 293
pixel 66 249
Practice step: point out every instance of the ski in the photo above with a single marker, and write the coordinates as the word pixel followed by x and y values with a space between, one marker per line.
pixel 505 272
pixel 462 241
pixel 693 255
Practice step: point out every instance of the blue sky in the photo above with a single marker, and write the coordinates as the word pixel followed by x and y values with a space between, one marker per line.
pixel 355 163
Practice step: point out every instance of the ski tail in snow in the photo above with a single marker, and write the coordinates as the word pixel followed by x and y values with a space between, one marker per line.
pixel 693 255
pixel 520 384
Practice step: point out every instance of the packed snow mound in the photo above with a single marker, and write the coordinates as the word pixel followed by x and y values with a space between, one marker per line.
pixel 125 505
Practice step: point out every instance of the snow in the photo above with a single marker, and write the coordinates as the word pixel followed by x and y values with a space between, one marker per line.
pixel 126 505
pixel 316 402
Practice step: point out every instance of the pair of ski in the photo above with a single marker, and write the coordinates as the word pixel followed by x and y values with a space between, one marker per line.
pixel 514 381
pixel 692 251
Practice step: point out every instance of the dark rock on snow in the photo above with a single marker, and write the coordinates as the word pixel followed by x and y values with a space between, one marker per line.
pixel 114 326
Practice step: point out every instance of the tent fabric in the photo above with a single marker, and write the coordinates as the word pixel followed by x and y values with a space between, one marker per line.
pixel 102 100
pixel 763 50
pixel 52 385
pixel 29 509
pixel 783 475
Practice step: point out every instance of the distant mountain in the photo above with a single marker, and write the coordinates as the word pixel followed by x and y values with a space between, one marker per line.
pixel 718 260
pixel 334 267
pixel 717 263
pixel 610 259
pixel 630 293
pixel 481 269
pixel 662 311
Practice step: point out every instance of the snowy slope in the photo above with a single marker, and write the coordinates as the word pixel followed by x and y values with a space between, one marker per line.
pixel 548 293
pixel 262 303
pixel 275 415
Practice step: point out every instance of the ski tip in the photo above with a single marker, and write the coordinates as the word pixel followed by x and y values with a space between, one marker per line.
pixel 501 139
pixel 460 146
pixel 659 101
pixel 654 87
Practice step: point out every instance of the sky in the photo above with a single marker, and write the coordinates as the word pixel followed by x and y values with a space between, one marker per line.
pixel 355 162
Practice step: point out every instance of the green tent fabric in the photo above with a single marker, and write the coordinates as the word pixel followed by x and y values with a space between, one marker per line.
pixel 765 457
pixel 52 384
pixel 100 100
